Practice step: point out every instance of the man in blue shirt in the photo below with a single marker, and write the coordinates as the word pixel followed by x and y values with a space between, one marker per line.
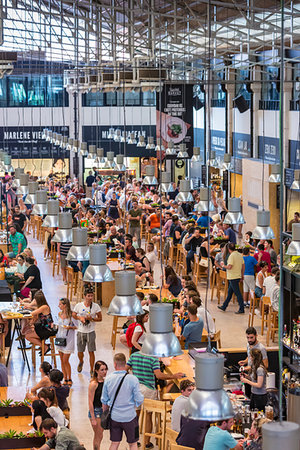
pixel 219 438
pixel 229 233
pixel 123 414
pixel 249 274
pixel 192 332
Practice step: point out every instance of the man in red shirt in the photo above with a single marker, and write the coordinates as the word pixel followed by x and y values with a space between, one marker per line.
pixel 262 255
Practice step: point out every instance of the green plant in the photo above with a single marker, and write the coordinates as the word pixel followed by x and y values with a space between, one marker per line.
pixel 10 434
pixel 20 435
pixel 6 403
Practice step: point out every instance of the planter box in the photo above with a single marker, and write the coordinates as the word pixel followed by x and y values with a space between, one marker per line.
pixel 29 442
pixel 9 411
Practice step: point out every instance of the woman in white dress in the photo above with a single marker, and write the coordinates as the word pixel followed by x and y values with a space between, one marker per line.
pixel 66 332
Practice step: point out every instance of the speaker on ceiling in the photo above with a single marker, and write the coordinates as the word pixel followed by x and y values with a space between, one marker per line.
pixel 240 103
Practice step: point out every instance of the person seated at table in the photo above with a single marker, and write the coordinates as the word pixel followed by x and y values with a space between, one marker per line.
pixel 150 299
pixel 3 260
pixel 260 278
pixel 218 437
pixel 140 274
pixel 28 252
pixel 219 258
pixel 135 333
pixel 262 256
pixel 44 382
pixel 192 432
pixel 129 249
pixel 186 387
pixel 42 322
pixel 40 413
pixel 204 314
pixel 172 281
pixel 248 241
pixel 62 391
pixel 17 241
pixel 189 293
pixel 48 396
pixel 142 258
pixel 193 330
pixel 254 441
pixel 32 277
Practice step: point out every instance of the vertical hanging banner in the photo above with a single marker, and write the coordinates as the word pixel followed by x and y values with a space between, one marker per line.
pixel 174 116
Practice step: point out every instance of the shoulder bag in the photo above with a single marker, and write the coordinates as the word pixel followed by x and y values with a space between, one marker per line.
pixel 106 415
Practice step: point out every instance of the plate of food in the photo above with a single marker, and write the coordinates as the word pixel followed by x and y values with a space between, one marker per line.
pixel 175 129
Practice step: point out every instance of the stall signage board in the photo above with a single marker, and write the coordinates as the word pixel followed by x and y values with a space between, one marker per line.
pixel 288 177
pixel 241 145
pixel 94 135
pixel 27 142
pixel 174 115
pixel 199 140
pixel 268 149
pixel 218 142
pixel 294 155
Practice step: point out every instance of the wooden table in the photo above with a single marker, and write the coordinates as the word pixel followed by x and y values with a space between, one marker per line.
pixel 183 363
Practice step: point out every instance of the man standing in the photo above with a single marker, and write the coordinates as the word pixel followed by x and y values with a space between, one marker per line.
pixel 269 248
pixel 186 388
pixel 249 274
pixel 219 438
pixel 89 184
pixel 193 241
pixel 87 313
pixel 262 256
pixel 253 343
pixel 17 240
pixel 19 217
pixel 235 272
pixel 58 437
pixel 123 414
pixel 134 217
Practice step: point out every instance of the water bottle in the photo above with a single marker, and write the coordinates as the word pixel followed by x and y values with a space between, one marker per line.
pixel 14 301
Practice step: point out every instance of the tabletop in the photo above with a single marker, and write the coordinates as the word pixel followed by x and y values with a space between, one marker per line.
pixel 17 393
pixel 12 313
pixel 183 363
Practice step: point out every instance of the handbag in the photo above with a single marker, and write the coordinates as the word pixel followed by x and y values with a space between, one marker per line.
pixel 106 415
pixel 61 341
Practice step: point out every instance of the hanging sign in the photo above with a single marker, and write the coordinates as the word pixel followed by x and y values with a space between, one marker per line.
pixel 241 145
pixel 268 149
pixel 218 141
pixel 294 154
pixel 179 163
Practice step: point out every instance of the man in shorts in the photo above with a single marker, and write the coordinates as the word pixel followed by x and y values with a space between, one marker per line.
pixel 87 313
pixel 249 275
pixel 123 414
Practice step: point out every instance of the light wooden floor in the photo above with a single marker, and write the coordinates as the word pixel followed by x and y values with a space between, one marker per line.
pixel 232 335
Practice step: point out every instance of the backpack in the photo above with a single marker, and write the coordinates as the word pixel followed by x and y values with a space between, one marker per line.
pixel 129 333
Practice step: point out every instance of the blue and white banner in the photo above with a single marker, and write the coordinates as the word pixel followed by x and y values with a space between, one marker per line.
pixel 294 155
pixel 268 149
pixel 241 145
pixel 218 141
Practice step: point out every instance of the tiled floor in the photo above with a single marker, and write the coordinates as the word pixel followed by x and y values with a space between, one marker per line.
pixel 232 335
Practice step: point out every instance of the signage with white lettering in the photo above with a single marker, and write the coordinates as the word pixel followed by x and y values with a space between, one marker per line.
pixel 268 149
pixel 294 155
pixel 218 141
pixel 241 145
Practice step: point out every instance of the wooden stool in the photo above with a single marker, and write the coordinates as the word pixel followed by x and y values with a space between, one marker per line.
pixel 180 447
pixel 171 254
pixel 2 346
pixel 253 305
pixel 55 263
pixel 272 325
pixel 214 276
pixel 71 282
pixel 34 349
pixel 80 286
pixel 115 330
pixel 265 302
pixel 158 410
pixel 196 270
pixel 143 231
pixel 221 287
pixel 214 337
pixel 170 438
pixel 42 234
pixel 38 222
pixel 33 225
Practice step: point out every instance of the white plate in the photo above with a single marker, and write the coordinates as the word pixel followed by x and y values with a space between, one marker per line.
pixel 166 134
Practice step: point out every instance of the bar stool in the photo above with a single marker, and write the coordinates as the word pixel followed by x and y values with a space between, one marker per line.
pixel 171 436
pixel 180 447
pixel 214 337
pixel 71 282
pixel 171 254
pixel 253 305
pixel 55 263
pixel 2 344
pixel 265 306
pixel 272 325
pixel 222 287
pixel 115 330
pixel 80 287
pixel 158 409
pixel 35 348
pixel 196 270
pixel 214 276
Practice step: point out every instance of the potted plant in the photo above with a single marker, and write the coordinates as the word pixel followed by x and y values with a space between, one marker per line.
pixel 13 440
pixel 10 408
pixel 174 301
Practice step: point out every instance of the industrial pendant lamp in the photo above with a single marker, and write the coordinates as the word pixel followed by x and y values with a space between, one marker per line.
pixel 64 232
pixel 196 155
pixel 166 185
pixel 184 192
pixel 49 136
pixel 279 435
pixel 132 139
pixel 296 183
pixel 75 146
pixel 70 144
pixel 92 152
pixel 204 203
pixel 141 142
pixel 120 166
pixel 45 133
pixel 53 138
pixel 7 164
pixel 16 181
pixel 109 163
pixel 51 220
pixel 159 145
pixel 227 163
pixel 117 135
pixel 182 151
pixel 294 247
pixel 83 149
pixel 275 174
pixel 234 215
pixel 100 160
pixel 32 190
pixel 263 229
pixel 150 143
pixel 209 401
pixel 23 188
pixel 98 271
pixel 40 207
pixel 123 139
pixel 58 140
pixel 64 142
pixel 161 342
pixel 150 179
pixel 125 302
pixel 171 151
pixel 79 250
pixel 2 154
pixel 111 133
pixel 213 160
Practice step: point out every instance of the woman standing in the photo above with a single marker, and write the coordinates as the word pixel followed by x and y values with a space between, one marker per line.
pixel 95 404
pixel 260 278
pixel 257 381
pixel 114 207
pixel 66 331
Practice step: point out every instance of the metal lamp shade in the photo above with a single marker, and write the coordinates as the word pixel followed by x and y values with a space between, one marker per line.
pixel 275 174
pixel 49 136
pixel 295 186
pixel 109 163
pixel 64 232
pixel 166 186
pixel 53 138
pixel 98 271
pixel 204 204
pixel 226 164
pixel 196 155
pixel 23 188
pixel 16 181
pixel 100 160
pixel 263 229
pixel 70 144
pixel 150 143
pixel 161 341
pixel 184 192
pixel 125 302
pixel 279 435
pixel 234 215
pixel 58 140
pixel 92 152
pixel 294 247
pixel 132 139
pixel 51 220
pixel 64 142
pixel 32 190
pixel 111 133
pixel 83 149
pixel 150 178
pixel 79 250
pixel 209 401
pixel 141 142
pixel 40 207
pixel 75 147
pixel 120 166
pixel 7 164
pixel 213 160
pixel 117 135
pixel 159 145
pixel 45 133
pixel 182 151
pixel 171 151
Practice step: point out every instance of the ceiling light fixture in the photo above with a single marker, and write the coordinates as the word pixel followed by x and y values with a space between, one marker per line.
pixel 295 186
pixel 204 203
pixel 294 247
pixel 263 229
pixel 125 302
pixel 171 151
pixel 23 188
pixel 150 178
pixel 32 190
pixel 184 195
pixel 98 271
pixel 275 174
pixel 40 207
pixel 166 185
pixel 79 250
pixel 141 142
pixel 51 220
pixel 132 139
pixel 150 143
pixel 234 215
pixel 64 232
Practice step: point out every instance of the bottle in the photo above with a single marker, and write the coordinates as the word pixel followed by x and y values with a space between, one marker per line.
pixel 14 301
pixel 284 334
